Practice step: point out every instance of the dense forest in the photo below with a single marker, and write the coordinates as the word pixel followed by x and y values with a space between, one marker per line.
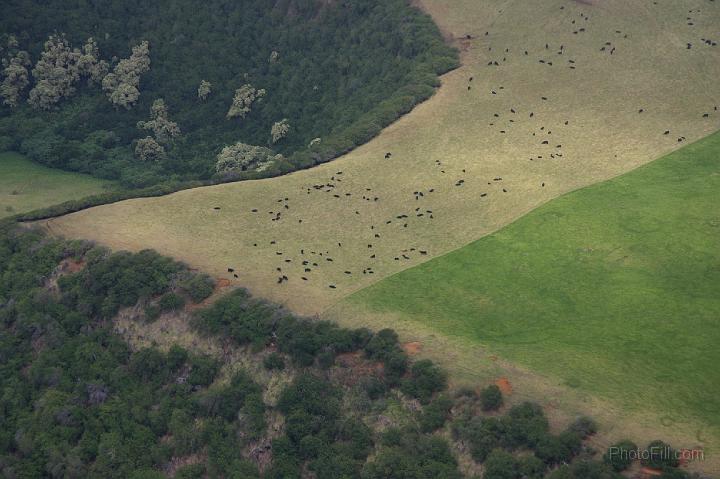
pixel 301 81
pixel 77 400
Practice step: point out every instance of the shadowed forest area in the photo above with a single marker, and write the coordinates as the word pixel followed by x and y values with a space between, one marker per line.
pixel 335 72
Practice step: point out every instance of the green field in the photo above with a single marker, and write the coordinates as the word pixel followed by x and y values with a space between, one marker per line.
pixel 25 186
pixel 614 288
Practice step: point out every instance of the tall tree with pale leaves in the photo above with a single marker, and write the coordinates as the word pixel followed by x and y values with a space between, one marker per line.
pixel 244 97
pixel 89 63
pixel 204 90
pixel 55 73
pixel 147 149
pixel 122 85
pixel 15 77
pixel 161 126
pixel 280 130
pixel 242 157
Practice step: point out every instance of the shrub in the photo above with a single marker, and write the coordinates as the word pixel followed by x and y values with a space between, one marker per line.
pixel 152 312
pixel 530 467
pixel 171 302
pixel 274 361
pixel 618 455
pixel 425 379
pixel 660 455
pixel 373 387
pixel 491 398
pixel 525 424
pixel 199 287
pixel 583 426
pixel 500 465
pixel 555 449
pixel 192 471
pixel 435 414
pixel 202 370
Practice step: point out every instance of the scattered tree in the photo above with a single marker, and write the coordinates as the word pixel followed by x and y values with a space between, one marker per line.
pixel 242 157
pixel 16 77
pixel 280 130
pixel 123 84
pixel 89 64
pixel 55 73
pixel 491 398
pixel 244 97
pixel 147 149
pixel 164 129
pixel 204 90
pixel 618 456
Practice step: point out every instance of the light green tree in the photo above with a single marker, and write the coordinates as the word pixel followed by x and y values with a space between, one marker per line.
pixel 147 149
pixel 89 64
pixel 161 126
pixel 243 157
pixel 55 73
pixel 280 130
pixel 244 97
pixel 15 77
pixel 204 90
pixel 122 85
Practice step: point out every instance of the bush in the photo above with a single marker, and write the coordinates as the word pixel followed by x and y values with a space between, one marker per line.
pixel 500 465
pixel 425 379
pixel 525 425
pixel 274 361
pixel 530 467
pixel 373 387
pixel 192 471
pixel 203 370
pixel 199 287
pixel 435 414
pixel 171 302
pixel 618 455
pixel 152 312
pixel 660 455
pixel 583 426
pixel 554 450
pixel 491 398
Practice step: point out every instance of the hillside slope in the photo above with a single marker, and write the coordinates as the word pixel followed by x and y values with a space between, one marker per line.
pixel 612 290
pixel 339 71
pixel 599 86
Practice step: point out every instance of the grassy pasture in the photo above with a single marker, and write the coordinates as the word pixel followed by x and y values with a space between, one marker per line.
pixel 591 110
pixel 25 186
pixel 614 289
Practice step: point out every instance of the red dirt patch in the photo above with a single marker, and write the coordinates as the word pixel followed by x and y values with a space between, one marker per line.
pixel 412 348
pixel 504 385
pixel 358 366
pixel 72 266
pixel 648 473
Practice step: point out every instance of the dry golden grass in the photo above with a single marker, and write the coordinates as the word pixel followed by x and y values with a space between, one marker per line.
pixel 457 133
